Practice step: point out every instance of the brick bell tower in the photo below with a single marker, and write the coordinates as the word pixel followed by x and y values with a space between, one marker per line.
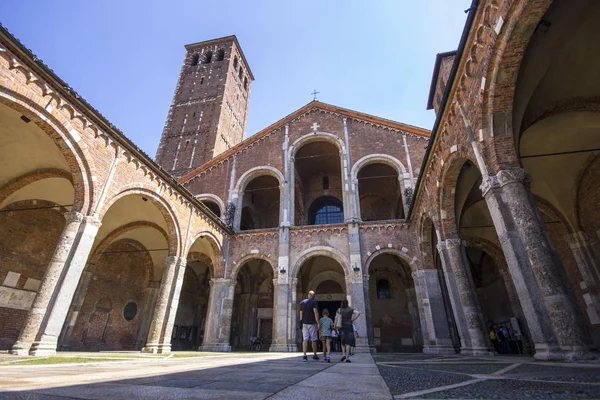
pixel 210 108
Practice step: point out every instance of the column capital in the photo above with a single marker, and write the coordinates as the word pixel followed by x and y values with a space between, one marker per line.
pixel 92 220
pixel 222 281
pixel 503 177
pixel 74 216
pixel 171 260
pixel 450 243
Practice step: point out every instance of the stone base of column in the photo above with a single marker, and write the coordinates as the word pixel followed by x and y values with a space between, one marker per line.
pixel 20 349
pixel 556 353
pixel 476 351
pixel 284 348
pixel 157 348
pixel 216 347
pixel 45 349
pixel 439 349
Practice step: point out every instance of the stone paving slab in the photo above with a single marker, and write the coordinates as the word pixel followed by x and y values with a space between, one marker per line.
pixel 115 391
pixel 488 378
pixel 512 389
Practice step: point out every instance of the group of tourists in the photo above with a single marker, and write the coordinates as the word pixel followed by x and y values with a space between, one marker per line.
pixel 315 328
pixel 500 339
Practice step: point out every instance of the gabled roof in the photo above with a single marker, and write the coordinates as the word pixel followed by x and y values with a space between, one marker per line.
pixel 315 104
pixel 434 78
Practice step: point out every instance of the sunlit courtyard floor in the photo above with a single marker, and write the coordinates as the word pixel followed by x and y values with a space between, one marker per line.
pixel 193 375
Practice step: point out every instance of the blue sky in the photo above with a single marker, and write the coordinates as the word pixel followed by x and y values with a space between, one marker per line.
pixel 124 56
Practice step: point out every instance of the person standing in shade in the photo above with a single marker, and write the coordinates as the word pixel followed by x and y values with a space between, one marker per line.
pixel 349 315
pixel 309 315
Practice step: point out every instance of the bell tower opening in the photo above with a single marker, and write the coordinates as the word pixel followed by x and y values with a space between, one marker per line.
pixel 209 110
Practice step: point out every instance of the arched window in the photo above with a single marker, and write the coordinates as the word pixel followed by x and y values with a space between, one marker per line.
pixel 220 55
pixel 241 73
pixel 326 210
pixel 383 289
pixel 212 206
pixel 208 57
pixel 246 84
pixel 195 59
pixel 235 63
pixel 247 222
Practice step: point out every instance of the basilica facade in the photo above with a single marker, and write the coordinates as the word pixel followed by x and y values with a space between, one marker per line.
pixel 490 219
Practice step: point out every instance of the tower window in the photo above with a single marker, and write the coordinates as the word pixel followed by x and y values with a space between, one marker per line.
pixel 325 183
pixel 208 57
pixel 246 84
pixel 241 73
pixel 201 80
pixel 195 59
pixel 220 55
pixel 235 63
pixel 383 289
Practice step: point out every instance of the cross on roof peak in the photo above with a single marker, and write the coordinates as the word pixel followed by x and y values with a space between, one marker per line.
pixel 315 93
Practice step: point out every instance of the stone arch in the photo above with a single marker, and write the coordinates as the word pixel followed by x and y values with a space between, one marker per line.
pixel 20 182
pixel 244 180
pixel 446 193
pixel 319 137
pixel 490 249
pixel 91 267
pixel 114 235
pixel 73 149
pixel 214 198
pixel 322 251
pixel 404 180
pixel 375 159
pixel 548 209
pixel 577 196
pixel 426 232
pixel 404 256
pixel 173 232
pixel 217 263
pixel 255 173
pixel 327 276
pixel 502 74
pixel 249 257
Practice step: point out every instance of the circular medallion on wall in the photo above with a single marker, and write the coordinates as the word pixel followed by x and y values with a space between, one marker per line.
pixel 130 311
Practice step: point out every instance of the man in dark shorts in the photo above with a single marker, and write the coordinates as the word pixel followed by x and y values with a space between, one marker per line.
pixel 309 315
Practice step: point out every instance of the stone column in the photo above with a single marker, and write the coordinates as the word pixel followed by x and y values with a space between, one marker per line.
pixel 145 314
pixel 434 321
pixel 156 337
pixel 218 316
pixel 64 340
pixel 44 321
pixel 356 289
pixel 535 267
pixel 165 343
pixel 369 313
pixel 588 267
pixel 463 297
pixel 284 315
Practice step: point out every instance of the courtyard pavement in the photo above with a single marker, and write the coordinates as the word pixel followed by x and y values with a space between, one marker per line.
pixel 284 376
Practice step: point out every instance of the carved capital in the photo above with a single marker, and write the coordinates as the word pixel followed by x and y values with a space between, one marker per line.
pixel 171 260
pixel 504 177
pixel 453 243
pixel 74 216
pixel 93 220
